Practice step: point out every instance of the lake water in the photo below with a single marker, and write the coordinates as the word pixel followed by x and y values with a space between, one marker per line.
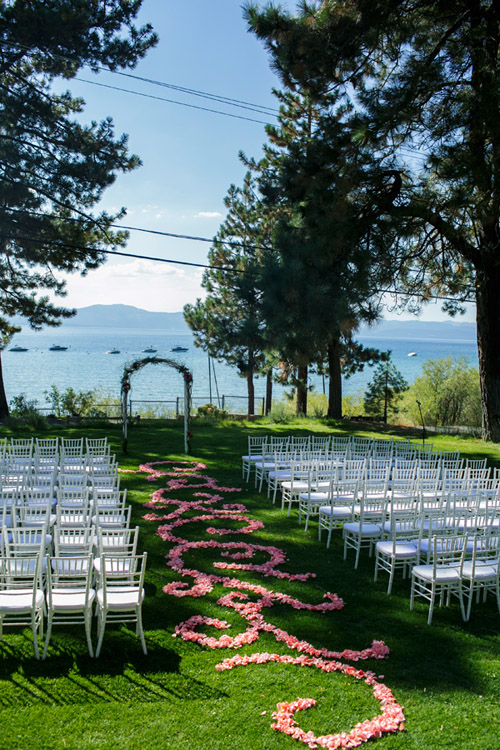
pixel 85 365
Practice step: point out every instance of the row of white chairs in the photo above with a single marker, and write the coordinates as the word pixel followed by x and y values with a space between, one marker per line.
pixel 262 448
pixel 65 590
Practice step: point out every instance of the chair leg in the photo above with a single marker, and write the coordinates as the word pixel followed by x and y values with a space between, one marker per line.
pixel 47 637
pixel 100 631
pixel 141 632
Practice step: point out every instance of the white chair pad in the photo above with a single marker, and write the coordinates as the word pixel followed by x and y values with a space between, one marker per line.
pixel 363 529
pixel 71 599
pixel 402 550
pixel 443 574
pixel 122 598
pixel 481 570
pixel 19 601
pixel 336 511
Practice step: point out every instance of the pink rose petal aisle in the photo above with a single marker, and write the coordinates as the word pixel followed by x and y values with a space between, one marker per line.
pixel 209 506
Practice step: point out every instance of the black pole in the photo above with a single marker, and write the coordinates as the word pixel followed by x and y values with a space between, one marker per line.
pixel 422 420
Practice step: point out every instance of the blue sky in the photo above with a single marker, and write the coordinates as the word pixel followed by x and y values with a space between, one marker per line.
pixel 190 157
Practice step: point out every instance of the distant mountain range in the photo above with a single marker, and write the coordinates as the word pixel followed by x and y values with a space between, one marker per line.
pixel 421 329
pixel 127 316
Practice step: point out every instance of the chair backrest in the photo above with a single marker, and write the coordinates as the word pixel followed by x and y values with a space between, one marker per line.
pixel 67 573
pixel 320 442
pixel 127 573
pixel 118 541
pixel 109 499
pixel 21 573
pixel 20 447
pixel 38 496
pixel 73 479
pixel 34 516
pixel 70 541
pixel 47 448
pixel 117 518
pixel 25 541
pixel 476 463
pixel 354 468
pixel 73 516
pixel 73 497
pixel 97 447
pixel 72 448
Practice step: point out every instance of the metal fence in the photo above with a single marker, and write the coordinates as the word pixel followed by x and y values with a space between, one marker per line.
pixel 171 408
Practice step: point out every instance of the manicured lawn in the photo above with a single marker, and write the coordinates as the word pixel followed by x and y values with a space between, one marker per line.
pixel 446 676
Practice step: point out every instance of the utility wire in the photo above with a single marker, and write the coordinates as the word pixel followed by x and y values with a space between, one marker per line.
pixel 173 101
pixel 87 249
pixel 158 232
pixel 208 266
pixel 230 101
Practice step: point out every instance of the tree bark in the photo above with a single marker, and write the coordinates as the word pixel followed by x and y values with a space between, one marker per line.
pixel 250 384
pixel 488 349
pixel 4 406
pixel 334 381
pixel 269 390
pixel 301 408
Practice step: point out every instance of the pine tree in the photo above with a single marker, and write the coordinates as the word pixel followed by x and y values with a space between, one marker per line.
pixel 425 79
pixel 53 169
pixel 228 323
pixel 384 390
pixel 321 279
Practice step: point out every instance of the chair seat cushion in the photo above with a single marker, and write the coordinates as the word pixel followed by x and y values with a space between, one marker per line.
pixel 120 598
pixel 363 529
pixel 401 550
pixel 444 573
pixel 479 571
pixel 66 600
pixel 19 601
pixel 336 511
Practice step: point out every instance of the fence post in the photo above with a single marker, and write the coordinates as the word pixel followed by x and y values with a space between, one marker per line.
pixel 223 400
pixel 177 406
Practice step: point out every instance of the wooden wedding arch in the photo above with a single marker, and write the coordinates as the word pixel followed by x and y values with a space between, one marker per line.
pixel 137 365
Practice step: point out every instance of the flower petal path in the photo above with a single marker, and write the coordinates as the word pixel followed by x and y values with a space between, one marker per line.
pixel 185 475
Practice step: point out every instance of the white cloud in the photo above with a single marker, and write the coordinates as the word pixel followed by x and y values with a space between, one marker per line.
pixel 207 215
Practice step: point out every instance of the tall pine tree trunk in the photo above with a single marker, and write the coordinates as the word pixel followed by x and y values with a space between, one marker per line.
pixel 488 338
pixel 4 406
pixel 250 384
pixel 302 390
pixel 269 390
pixel 335 380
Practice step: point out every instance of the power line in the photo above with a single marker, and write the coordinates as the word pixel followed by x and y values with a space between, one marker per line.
pixel 158 232
pixel 172 101
pixel 230 101
pixel 87 249
pixel 211 267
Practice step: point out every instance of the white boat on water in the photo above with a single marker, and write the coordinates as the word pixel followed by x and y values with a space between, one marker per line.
pixel 150 350
pixel 412 354
pixel 18 349
pixel 113 351
pixel 179 349
pixel 58 348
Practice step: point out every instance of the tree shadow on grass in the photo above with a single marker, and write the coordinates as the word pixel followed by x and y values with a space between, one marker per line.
pixel 122 674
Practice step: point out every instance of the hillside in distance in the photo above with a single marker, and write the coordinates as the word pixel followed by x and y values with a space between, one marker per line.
pixel 127 316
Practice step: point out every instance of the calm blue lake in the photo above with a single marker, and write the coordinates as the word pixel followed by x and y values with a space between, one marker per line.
pixel 85 365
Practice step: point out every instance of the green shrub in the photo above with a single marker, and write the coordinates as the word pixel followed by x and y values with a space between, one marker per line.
pixel 317 405
pixel 353 405
pixel 24 413
pixel 448 391
pixel 211 413
pixel 282 412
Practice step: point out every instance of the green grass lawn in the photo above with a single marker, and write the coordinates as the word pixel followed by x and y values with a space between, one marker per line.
pixel 446 676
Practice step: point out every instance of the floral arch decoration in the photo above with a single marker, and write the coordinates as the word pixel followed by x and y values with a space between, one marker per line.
pixel 134 367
